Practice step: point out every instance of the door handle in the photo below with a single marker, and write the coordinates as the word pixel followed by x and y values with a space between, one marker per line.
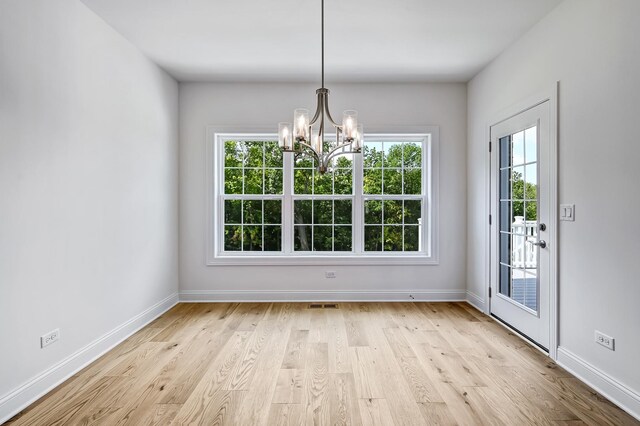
pixel 540 243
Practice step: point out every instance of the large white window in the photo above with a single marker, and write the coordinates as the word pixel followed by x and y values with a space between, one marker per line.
pixel 267 207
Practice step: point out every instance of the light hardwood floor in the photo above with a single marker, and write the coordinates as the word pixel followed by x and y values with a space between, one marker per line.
pixel 286 364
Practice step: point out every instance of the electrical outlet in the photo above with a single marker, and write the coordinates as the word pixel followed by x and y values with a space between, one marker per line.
pixel 330 274
pixel 49 338
pixel 604 340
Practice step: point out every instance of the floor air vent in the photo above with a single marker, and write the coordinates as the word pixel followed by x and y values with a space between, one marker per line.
pixel 323 306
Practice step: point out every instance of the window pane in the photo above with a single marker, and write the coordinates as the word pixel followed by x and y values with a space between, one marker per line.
pixel 413 181
pixel 517 183
pixel 322 238
pixel 393 211
pixel 303 162
pixel 303 181
pixel 412 155
pixel 531 182
pixel 342 238
pixel 233 238
pixel 233 154
pixel 342 212
pixel 392 238
pixel 372 154
pixel 252 210
pixel 253 181
pixel 517 210
pixel 531 211
pixel 373 212
pixel 517 149
pixel 392 154
pixel 412 211
pixel 372 181
pixel 272 212
pixel 411 238
pixel 323 184
pixel 272 238
pixel 302 238
pixel 252 238
pixel 302 211
pixel 233 211
pixel 254 154
pixel 233 181
pixel 272 154
pixel 531 144
pixel 273 181
pixel 343 181
pixel 373 238
pixel 392 181
pixel 343 162
pixel 323 211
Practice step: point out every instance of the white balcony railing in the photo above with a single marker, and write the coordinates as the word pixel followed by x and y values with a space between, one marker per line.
pixel 524 253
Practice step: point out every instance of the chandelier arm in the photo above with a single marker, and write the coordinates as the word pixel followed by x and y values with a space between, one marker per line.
pixel 306 145
pixel 320 148
pixel 332 153
pixel 310 148
pixel 318 111
pixel 331 120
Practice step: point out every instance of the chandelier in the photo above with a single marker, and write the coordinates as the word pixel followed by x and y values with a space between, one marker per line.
pixel 303 139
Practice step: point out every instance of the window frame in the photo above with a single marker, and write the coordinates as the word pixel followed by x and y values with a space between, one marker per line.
pixel 215 254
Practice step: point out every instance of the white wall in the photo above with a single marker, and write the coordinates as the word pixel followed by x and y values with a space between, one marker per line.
pixel 383 106
pixel 592 48
pixel 88 183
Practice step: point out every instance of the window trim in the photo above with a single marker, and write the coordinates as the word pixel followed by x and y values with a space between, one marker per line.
pixel 215 175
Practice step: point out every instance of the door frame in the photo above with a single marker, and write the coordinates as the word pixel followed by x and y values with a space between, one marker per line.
pixel 550 95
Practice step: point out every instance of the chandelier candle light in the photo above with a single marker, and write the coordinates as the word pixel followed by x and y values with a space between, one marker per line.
pixel 302 139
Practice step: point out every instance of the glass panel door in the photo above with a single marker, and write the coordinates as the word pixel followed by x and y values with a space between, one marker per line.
pixel 518 217
pixel 520 194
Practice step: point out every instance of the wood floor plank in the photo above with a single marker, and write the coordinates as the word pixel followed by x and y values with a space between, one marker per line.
pixel 315 400
pixel 209 392
pixel 245 369
pixel 285 415
pixel 296 351
pixel 368 383
pixel 437 413
pixel 262 386
pixel 343 400
pixel 289 387
pixel 286 364
pixel 375 412
pixel 338 346
pixel 356 333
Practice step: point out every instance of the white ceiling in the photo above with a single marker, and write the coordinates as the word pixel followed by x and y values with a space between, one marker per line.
pixel 279 40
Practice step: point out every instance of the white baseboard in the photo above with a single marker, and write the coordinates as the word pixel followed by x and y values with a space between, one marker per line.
pixel 476 301
pixel 616 392
pixel 20 398
pixel 313 296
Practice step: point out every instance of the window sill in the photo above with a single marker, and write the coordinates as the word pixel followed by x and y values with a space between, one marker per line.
pixel 323 260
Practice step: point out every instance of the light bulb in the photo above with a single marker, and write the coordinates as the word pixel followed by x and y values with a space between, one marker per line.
pixel 284 136
pixel 301 121
pixel 349 124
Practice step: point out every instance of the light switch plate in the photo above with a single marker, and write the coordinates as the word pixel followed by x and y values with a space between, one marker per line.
pixel 568 212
